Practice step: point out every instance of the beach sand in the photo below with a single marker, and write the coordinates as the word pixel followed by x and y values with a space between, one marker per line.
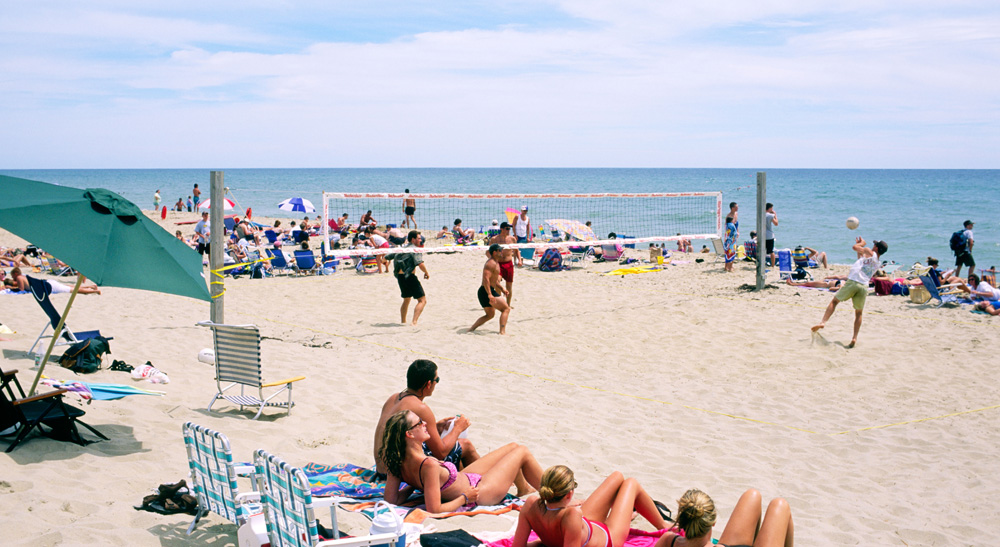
pixel 677 378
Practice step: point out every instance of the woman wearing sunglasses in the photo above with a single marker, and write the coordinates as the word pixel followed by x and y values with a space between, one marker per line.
pixel 445 489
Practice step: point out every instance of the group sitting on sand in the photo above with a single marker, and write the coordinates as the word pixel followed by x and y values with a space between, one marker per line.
pixel 416 452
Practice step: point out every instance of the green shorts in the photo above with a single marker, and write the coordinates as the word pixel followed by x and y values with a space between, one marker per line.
pixel 855 291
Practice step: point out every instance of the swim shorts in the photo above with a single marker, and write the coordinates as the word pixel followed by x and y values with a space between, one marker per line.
pixel 769 245
pixel 522 239
pixel 965 259
pixel 484 300
pixel 507 271
pixel 855 291
pixel 409 286
pixel 455 456
pixel 409 211
pixel 396 240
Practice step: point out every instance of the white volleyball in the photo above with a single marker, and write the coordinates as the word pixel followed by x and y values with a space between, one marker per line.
pixel 853 223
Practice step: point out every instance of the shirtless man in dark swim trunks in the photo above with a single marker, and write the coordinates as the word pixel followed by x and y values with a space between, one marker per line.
pixel 506 259
pixel 409 207
pixel 490 290
pixel 421 381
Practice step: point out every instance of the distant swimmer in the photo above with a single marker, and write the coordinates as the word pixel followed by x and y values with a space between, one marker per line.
pixel 490 291
pixel 856 286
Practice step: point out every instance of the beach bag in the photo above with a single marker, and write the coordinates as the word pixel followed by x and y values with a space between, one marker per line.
pixel 85 356
pixel 800 273
pixel 257 271
pixel 551 261
pixel 958 242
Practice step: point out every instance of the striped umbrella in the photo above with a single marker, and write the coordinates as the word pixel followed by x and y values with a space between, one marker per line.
pixel 301 205
pixel 207 204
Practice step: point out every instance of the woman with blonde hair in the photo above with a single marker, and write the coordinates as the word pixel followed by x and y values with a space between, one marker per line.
pixel 603 520
pixel 696 516
pixel 484 481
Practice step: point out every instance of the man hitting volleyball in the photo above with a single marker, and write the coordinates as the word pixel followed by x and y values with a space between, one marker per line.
pixel 856 286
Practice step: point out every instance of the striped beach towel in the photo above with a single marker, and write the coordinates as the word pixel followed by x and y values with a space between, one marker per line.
pixel 345 480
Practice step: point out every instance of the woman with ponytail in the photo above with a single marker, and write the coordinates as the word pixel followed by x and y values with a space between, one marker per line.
pixel 603 520
pixel 696 516
pixel 484 481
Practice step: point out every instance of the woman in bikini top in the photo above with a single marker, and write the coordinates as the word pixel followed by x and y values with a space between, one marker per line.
pixel 603 520
pixel 445 488
pixel 696 516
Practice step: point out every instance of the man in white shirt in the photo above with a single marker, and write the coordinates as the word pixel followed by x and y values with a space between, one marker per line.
pixel 856 286
pixel 202 233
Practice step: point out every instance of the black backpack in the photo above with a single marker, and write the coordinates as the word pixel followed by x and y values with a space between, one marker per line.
pixel 958 242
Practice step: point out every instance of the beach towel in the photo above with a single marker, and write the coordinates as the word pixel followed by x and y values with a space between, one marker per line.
pixel 345 480
pixel 636 538
pixel 418 514
pixel 98 392
pixel 635 270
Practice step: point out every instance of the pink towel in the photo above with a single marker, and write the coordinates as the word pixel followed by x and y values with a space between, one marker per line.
pixel 636 538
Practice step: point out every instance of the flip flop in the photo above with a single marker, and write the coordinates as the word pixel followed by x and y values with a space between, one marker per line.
pixel 664 511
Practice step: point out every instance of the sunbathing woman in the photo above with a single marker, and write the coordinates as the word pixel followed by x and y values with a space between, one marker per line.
pixel 833 283
pixel 602 521
pixel 484 481
pixel 696 516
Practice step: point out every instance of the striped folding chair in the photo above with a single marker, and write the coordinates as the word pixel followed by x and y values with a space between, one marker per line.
pixel 237 361
pixel 213 477
pixel 290 509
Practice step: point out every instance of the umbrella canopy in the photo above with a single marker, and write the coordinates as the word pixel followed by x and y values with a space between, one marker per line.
pixel 101 235
pixel 301 205
pixel 511 213
pixel 574 228
pixel 207 204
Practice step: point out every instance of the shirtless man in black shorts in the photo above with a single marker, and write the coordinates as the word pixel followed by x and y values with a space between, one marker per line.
pixel 409 207
pixel 490 291
pixel 506 259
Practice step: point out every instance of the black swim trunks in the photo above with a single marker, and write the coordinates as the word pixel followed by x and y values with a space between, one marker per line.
pixel 409 211
pixel 409 286
pixel 484 300
pixel 769 245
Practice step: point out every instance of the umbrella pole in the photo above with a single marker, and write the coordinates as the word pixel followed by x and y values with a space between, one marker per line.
pixel 62 322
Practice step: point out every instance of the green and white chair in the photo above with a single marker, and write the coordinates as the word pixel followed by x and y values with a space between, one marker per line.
pixel 213 477
pixel 290 509
pixel 237 360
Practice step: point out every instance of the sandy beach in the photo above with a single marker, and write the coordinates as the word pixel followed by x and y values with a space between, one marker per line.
pixel 678 378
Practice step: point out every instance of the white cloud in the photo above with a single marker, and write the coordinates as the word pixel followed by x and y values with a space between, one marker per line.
pixel 645 84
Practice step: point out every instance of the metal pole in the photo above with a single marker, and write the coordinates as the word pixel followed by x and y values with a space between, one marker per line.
pixel 761 213
pixel 56 334
pixel 218 244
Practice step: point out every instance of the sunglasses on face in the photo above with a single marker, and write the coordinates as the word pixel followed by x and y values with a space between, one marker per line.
pixel 416 425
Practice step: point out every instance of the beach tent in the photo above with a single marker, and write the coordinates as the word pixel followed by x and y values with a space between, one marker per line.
pixel 101 235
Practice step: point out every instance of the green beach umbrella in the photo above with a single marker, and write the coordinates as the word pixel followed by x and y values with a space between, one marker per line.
pixel 103 236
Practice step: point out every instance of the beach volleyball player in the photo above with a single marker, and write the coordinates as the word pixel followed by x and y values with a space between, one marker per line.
pixel 856 286
pixel 490 291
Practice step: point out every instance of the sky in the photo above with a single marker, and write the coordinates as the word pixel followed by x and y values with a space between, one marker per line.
pixel 499 83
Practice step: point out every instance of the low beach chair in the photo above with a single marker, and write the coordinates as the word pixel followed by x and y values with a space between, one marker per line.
pixel 305 262
pixel 290 508
pixel 41 290
pixel 989 276
pixel 56 269
pixel 8 377
pixel 719 248
pixel 578 255
pixel 612 251
pixel 213 477
pixel 527 255
pixel 237 360
pixel 750 250
pixel 278 260
pixel 785 268
pixel 944 297
pixel 27 414
pixel 271 236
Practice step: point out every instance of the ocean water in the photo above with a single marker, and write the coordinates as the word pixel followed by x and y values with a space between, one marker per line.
pixel 915 211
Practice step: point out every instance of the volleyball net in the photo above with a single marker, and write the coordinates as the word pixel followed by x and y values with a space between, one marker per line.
pixel 637 218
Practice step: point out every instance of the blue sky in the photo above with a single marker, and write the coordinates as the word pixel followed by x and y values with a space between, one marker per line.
pixel 590 83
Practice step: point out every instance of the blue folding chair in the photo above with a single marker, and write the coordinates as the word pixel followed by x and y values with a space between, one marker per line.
pixel 305 262
pixel 41 290
pixel 944 297
pixel 278 262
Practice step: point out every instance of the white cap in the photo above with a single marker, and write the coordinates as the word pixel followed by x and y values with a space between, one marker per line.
pixel 495 222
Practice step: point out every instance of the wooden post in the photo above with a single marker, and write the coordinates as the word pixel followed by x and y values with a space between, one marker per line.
pixel 218 244
pixel 761 227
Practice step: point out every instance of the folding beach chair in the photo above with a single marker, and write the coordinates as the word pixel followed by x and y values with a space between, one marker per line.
pixel 527 255
pixel 8 377
pixel 989 276
pixel 785 269
pixel 290 509
pixel 237 360
pixel 271 236
pixel 21 416
pixel 41 290
pixel 213 477
pixel 719 248
pixel 945 296
pixel 578 255
pixel 612 251
pixel 56 269
pixel 305 262
pixel 278 260
pixel 750 250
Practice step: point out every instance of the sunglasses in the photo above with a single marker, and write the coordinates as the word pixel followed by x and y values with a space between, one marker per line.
pixel 416 425
pixel 437 380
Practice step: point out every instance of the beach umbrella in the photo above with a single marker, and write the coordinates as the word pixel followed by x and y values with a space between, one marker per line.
pixel 103 236
pixel 207 204
pixel 574 228
pixel 511 214
pixel 301 205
